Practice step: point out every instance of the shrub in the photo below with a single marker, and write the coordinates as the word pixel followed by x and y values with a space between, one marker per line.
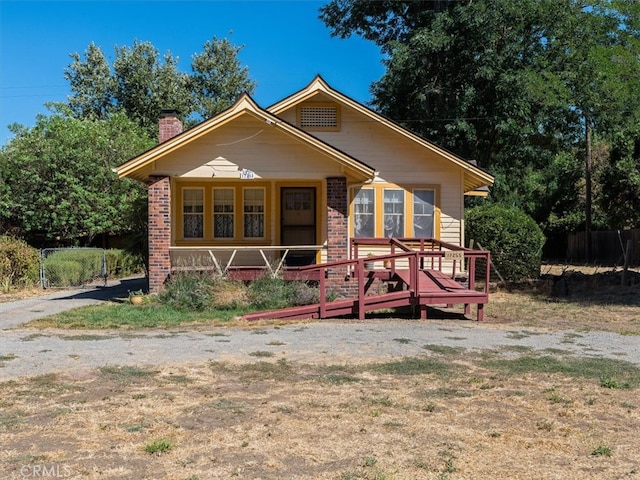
pixel 122 263
pixel 19 263
pixel 268 293
pixel 63 273
pixel 513 238
pixel 73 267
pixel 272 293
pixel 188 291
pixel 200 291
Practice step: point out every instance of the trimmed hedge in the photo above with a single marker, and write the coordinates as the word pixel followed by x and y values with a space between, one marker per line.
pixel 513 238
pixel 73 267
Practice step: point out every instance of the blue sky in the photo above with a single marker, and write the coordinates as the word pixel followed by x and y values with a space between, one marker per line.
pixel 285 45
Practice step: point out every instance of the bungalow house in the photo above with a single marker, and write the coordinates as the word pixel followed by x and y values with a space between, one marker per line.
pixel 294 183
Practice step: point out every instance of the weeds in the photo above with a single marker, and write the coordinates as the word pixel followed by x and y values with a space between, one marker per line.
pixel 126 374
pixel 615 372
pixel 414 366
pixel 159 446
pixel 261 353
pixel 602 451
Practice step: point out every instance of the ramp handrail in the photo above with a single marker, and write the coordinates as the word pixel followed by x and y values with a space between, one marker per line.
pixel 415 260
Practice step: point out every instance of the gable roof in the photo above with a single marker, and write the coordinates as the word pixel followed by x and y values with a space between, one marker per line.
pixel 475 179
pixel 141 166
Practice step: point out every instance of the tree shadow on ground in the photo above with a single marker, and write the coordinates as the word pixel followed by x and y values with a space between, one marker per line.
pixel 611 287
pixel 117 290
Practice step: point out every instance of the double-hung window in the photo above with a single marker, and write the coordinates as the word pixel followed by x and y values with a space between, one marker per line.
pixel 253 212
pixel 393 219
pixel 223 212
pixel 193 212
pixel 364 213
pixel 423 213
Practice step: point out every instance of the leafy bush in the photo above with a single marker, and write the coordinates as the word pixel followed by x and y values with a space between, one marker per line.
pixel 73 267
pixel 19 263
pixel 513 238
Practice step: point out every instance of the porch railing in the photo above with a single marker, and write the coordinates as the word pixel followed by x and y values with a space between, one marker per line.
pixel 436 252
pixel 222 257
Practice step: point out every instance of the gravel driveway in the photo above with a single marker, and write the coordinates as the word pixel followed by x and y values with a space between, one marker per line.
pixel 26 352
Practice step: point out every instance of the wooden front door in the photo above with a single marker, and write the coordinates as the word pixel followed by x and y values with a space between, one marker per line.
pixel 298 223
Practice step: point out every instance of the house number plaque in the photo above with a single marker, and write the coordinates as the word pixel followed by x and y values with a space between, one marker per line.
pixel 454 255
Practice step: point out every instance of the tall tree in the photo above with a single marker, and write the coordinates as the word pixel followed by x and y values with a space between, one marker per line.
pixel 91 84
pixel 218 79
pixel 142 82
pixel 515 84
pixel 57 178
pixel 144 85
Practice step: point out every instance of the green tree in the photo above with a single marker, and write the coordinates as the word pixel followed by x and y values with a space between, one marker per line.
pixel 57 178
pixel 218 79
pixel 521 86
pixel 144 85
pixel 91 84
pixel 142 82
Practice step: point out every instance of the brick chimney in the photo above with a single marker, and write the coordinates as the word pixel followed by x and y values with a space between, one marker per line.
pixel 169 125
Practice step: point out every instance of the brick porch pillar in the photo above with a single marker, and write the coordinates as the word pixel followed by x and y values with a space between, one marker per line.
pixel 337 231
pixel 159 211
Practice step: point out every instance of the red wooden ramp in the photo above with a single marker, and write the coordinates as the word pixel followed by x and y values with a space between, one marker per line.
pixel 434 288
pixel 349 306
pixel 415 287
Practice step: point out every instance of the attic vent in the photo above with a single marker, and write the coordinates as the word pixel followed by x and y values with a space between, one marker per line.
pixel 319 117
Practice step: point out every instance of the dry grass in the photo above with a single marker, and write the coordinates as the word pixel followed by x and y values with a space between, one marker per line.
pixel 590 299
pixel 444 417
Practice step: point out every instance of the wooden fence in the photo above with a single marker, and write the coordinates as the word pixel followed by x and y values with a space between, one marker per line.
pixel 607 247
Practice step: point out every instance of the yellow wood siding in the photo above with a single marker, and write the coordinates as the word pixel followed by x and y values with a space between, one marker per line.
pixel 405 164
pixel 252 145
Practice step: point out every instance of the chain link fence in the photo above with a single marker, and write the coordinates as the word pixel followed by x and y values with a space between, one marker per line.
pixel 72 267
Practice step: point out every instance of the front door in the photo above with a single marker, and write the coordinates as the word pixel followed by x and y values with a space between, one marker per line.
pixel 298 223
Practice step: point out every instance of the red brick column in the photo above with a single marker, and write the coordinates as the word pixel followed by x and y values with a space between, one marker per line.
pixel 338 232
pixel 159 205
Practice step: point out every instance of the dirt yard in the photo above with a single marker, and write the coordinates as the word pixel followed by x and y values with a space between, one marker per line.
pixel 447 414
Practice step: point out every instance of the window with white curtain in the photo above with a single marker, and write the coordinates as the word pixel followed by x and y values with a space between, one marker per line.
pixel 193 212
pixel 423 213
pixel 393 219
pixel 253 212
pixel 364 213
pixel 223 212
